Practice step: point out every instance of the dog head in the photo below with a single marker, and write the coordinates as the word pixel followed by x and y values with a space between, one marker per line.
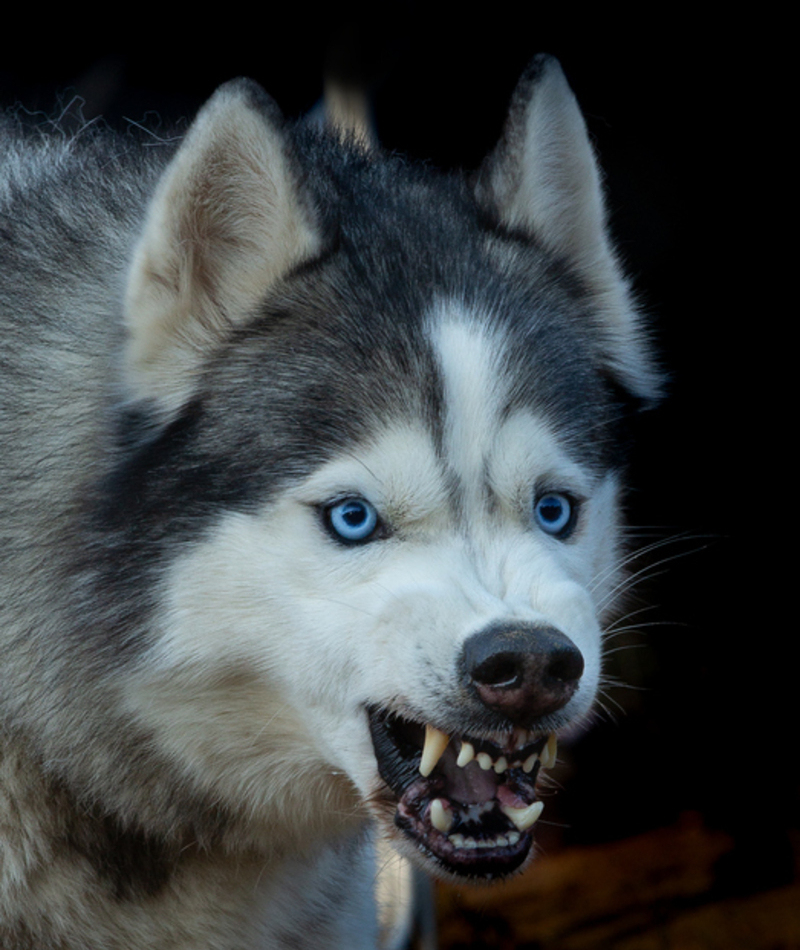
pixel 384 412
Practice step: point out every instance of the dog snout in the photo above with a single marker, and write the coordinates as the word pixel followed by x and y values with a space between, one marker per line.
pixel 522 671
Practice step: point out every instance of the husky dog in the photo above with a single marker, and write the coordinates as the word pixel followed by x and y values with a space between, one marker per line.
pixel 311 463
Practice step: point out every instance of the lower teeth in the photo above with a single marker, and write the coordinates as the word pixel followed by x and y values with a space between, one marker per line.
pixel 442 818
pixel 523 818
pixel 472 844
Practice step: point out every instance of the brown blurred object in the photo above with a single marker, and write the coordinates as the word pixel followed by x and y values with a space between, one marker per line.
pixel 657 891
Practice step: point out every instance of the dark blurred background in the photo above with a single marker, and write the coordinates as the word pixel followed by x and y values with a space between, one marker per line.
pixel 679 111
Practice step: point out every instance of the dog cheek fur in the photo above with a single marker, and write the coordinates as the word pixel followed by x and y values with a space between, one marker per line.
pixel 214 690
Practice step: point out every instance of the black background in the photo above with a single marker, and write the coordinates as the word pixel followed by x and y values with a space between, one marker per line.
pixel 681 113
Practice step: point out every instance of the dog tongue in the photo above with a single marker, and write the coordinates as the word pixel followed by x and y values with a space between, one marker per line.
pixel 507 796
pixel 470 784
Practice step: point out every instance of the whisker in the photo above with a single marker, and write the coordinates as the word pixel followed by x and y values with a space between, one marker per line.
pixel 647 572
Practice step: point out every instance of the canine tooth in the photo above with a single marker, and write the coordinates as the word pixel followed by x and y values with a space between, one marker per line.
pixel 501 764
pixel 465 755
pixel 484 761
pixel 513 837
pixel 549 752
pixel 519 738
pixel 523 818
pixel 441 817
pixel 528 764
pixel 435 744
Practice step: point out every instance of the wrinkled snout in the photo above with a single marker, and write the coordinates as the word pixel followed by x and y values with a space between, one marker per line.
pixel 521 671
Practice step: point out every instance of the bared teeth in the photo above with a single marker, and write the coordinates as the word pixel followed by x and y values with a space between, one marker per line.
pixel 469 843
pixel 435 744
pixel 519 738
pixel 528 764
pixel 549 752
pixel 442 817
pixel 465 755
pixel 523 818
pixel 437 741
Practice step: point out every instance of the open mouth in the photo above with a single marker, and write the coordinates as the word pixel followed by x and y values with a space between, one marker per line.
pixel 467 802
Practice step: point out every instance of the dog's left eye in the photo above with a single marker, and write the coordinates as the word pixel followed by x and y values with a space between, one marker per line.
pixel 555 514
pixel 352 520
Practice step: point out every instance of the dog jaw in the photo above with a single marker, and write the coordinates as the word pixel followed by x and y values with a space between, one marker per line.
pixel 464 804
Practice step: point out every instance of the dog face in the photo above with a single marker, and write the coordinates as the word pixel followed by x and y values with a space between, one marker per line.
pixel 437 582
pixel 397 447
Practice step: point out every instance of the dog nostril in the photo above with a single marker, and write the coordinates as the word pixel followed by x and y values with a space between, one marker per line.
pixel 503 671
pixel 521 671
pixel 566 665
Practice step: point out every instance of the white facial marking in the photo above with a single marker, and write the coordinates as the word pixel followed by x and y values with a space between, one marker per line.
pixel 314 631
pixel 471 359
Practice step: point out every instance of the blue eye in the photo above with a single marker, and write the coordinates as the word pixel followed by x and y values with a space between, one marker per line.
pixel 554 514
pixel 352 520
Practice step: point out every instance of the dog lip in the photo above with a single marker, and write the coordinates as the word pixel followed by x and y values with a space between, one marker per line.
pixel 472 814
pixel 513 740
pixel 406 747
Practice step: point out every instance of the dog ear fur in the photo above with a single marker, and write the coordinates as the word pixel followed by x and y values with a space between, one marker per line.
pixel 226 222
pixel 542 179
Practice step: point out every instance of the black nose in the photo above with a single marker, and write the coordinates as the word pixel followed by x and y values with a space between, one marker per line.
pixel 522 671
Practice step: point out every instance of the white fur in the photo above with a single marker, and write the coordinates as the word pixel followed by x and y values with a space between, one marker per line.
pixel 545 180
pixel 245 684
pixel 276 637
pixel 225 223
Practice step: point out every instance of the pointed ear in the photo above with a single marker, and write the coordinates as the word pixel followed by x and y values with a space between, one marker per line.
pixel 542 179
pixel 225 223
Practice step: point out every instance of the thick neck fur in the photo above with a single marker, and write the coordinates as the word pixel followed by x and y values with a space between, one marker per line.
pixel 74 878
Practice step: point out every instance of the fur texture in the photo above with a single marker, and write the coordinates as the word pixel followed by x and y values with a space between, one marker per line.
pixel 305 449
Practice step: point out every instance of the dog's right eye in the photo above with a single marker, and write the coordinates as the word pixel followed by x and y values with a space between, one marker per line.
pixel 352 521
pixel 555 514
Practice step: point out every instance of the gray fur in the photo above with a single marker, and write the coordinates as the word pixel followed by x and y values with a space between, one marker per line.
pixel 189 335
